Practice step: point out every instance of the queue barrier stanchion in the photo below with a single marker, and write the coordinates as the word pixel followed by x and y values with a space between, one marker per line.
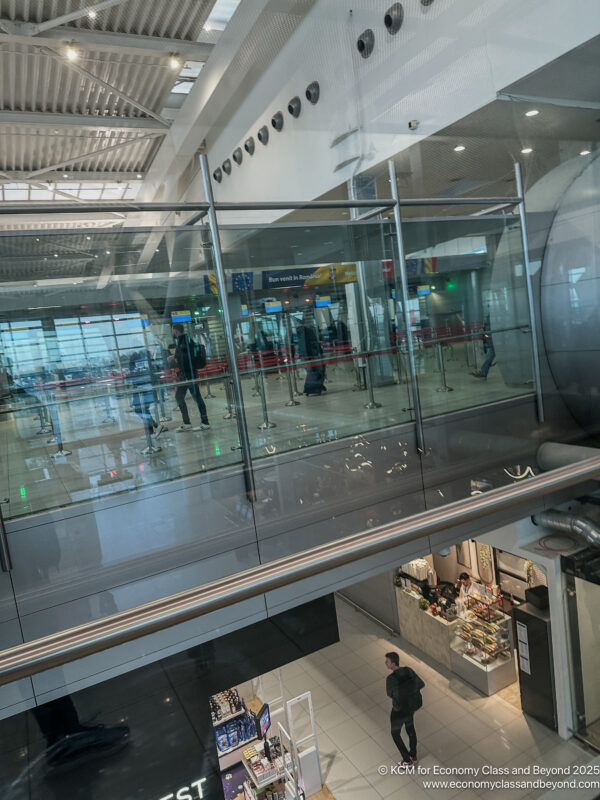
pixel 108 416
pixel 165 415
pixel 369 378
pixel 288 372
pixel 44 417
pixel 444 387
pixel 57 437
pixel 266 423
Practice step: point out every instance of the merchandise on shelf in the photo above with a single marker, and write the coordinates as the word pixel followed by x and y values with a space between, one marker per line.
pixel 263 770
pixel 418 569
pixel 225 704
pixel 485 629
pixel 235 732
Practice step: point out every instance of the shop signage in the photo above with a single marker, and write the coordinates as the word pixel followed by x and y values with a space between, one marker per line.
pixel 285 277
pixel 192 792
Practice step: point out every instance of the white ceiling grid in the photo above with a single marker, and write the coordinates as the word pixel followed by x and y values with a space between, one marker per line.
pixel 129 83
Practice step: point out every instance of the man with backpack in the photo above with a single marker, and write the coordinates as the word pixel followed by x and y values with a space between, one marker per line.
pixel 404 686
pixel 189 357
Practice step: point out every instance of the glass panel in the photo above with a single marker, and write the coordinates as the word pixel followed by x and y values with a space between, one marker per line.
pixel 588 595
pixel 469 312
pixel 95 387
pixel 318 329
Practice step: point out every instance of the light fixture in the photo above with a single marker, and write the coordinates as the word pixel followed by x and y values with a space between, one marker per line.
pixel 139 175
pixel 459 148
pixel 55 255
pixel 533 113
pixel 585 152
pixel 174 62
pixel 92 14
pixel 65 174
pixel 527 150
pixel 71 53
pixel 108 252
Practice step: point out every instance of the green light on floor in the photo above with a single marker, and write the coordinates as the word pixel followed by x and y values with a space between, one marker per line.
pixel 23 492
pixel 217 450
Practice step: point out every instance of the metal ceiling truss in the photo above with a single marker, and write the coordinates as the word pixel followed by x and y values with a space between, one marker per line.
pixel 39 118
pixel 85 73
pixel 32 29
pixel 19 176
pixel 83 157
pixel 123 43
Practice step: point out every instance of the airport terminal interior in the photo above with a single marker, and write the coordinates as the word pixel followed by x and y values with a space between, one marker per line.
pixel 299 399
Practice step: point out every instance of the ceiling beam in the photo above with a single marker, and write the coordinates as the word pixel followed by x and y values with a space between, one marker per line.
pixel 552 101
pixel 33 28
pixel 85 156
pixel 19 176
pixel 121 43
pixel 38 118
pixel 85 73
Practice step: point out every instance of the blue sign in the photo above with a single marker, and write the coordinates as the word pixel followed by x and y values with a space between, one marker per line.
pixel 242 281
pixel 274 278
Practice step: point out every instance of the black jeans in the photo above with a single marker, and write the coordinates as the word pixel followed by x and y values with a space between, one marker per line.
pixel 398 719
pixel 180 400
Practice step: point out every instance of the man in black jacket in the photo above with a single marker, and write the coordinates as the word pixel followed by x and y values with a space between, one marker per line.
pixel 182 359
pixel 404 686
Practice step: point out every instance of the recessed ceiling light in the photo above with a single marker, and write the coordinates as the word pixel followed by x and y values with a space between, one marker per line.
pixel 65 174
pixel 139 175
pixel 108 252
pixel 55 255
pixel 585 152
pixel 72 53
pixel 174 62
pixel 533 113
pixel 92 14
pixel 88 238
pixel 527 150
pixel 459 148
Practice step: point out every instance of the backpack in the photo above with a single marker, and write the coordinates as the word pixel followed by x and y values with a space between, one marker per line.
pixel 197 354
pixel 408 691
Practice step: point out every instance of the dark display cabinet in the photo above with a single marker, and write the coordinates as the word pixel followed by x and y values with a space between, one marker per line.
pixel 533 640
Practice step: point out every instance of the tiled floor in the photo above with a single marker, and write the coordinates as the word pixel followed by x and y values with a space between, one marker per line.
pixel 106 455
pixel 457 726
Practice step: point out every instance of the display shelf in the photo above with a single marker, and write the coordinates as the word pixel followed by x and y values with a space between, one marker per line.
pixel 235 747
pixel 261 784
pixel 231 716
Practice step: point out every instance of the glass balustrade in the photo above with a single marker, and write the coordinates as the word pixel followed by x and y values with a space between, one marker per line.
pixel 101 394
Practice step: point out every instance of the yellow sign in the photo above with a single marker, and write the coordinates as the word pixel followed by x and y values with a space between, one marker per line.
pixel 333 273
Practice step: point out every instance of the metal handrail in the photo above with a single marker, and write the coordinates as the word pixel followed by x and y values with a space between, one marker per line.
pixel 93 637
pixel 280 205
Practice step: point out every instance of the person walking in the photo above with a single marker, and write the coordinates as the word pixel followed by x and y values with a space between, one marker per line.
pixel 404 686
pixel 186 359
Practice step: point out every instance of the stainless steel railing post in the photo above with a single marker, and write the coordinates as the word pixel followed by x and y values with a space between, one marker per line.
pixel 229 336
pixel 414 384
pixel 530 305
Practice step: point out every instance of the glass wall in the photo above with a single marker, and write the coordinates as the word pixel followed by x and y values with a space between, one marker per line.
pixel 114 363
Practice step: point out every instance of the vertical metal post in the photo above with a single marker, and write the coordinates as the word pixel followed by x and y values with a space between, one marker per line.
pixel 369 374
pixel 440 354
pixel 229 339
pixel 266 423
pixel 414 385
pixel 5 559
pixel 532 319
